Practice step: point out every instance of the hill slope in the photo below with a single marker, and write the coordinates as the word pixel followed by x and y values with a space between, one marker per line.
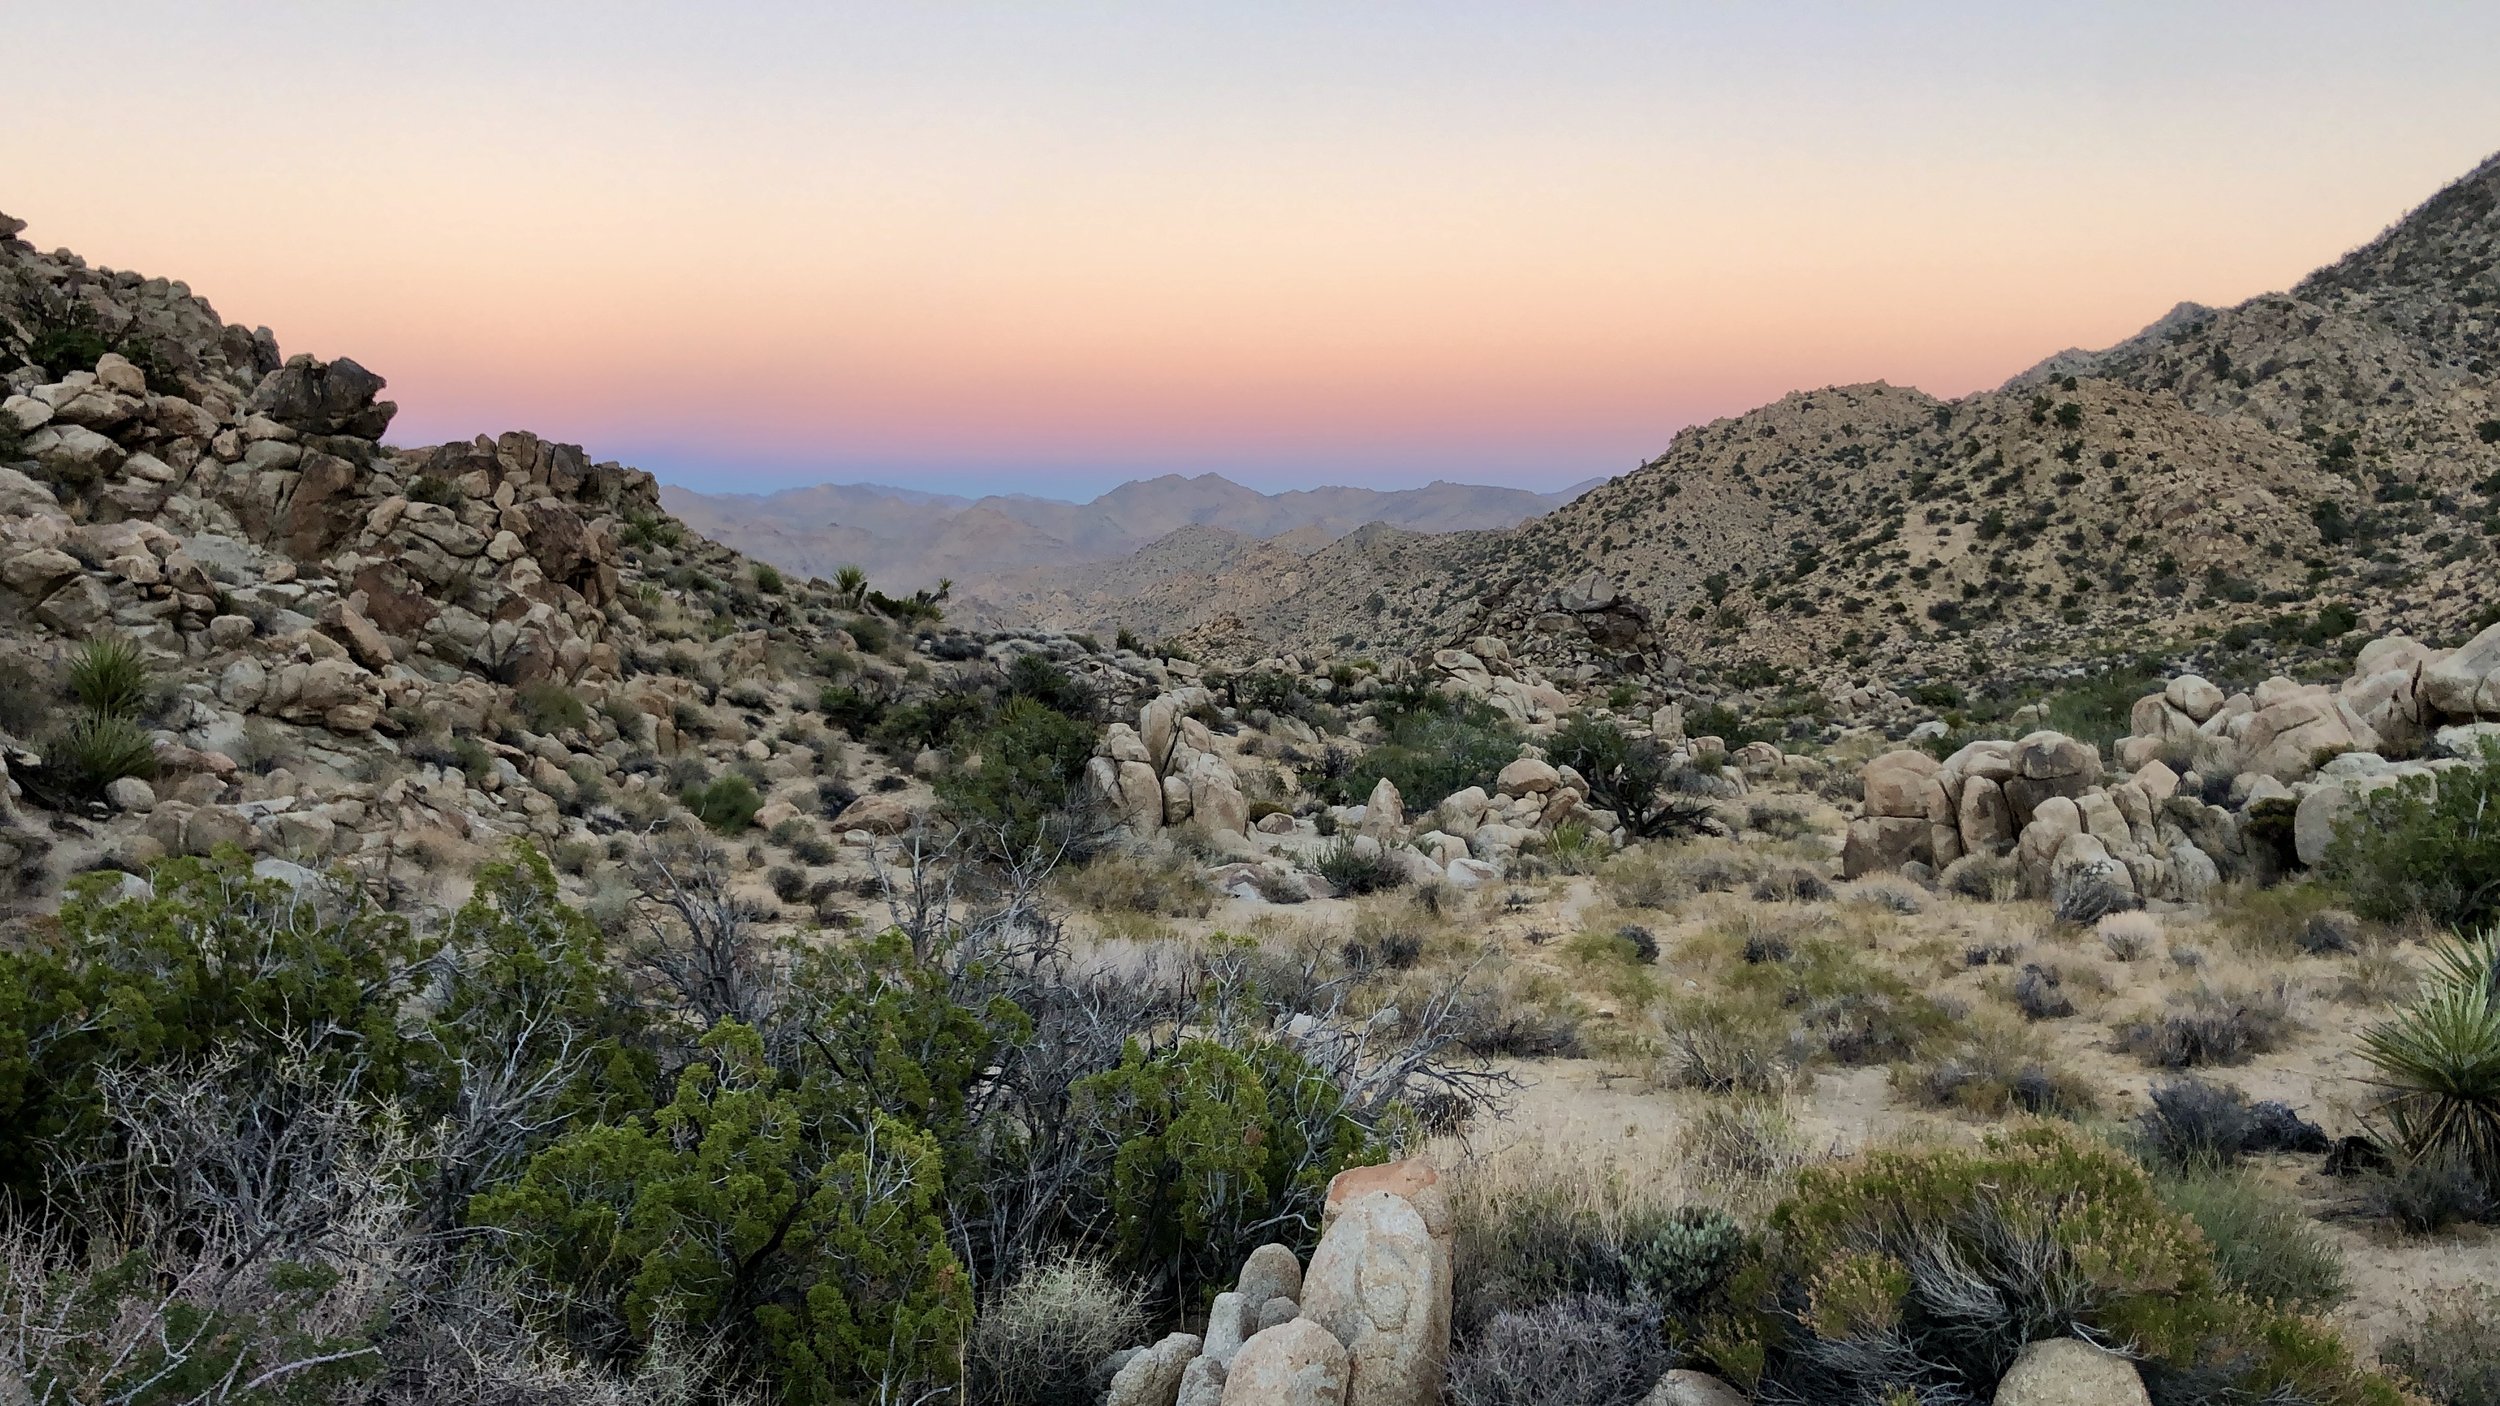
pixel 2268 467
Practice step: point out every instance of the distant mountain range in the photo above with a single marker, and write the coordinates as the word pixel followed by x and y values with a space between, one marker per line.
pixel 908 540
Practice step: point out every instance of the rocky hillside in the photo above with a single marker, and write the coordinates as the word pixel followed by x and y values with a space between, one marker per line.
pixel 1033 560
pixel 233 615
pixel 2259 482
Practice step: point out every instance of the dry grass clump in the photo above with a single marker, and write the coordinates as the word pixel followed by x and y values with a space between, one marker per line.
pixel 2214 1023
pixel 1163 885
pixel 1997 1070
pixel 1744 1152
pixel 2130 937
pixel 1042 1341
pixel 2268 922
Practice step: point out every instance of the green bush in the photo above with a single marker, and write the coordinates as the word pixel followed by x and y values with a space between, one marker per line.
pixel 728 805
pixel 1025 792
pixel 1922 1274
pixel 2414 848
pixel 209 958
pixel 767 579
pixel 109 675
pixel 1357 871
pixel 1435 745
pixel 2438 1062
pixel 549 706
pixel 1626 775
pixel 2264 1245
pixel 750 1208
pixel 1214 1150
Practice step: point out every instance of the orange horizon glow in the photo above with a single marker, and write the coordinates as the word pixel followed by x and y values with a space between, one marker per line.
pixel 1051 248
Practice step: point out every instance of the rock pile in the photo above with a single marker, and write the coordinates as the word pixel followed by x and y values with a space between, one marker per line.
pixel 1367 1325
pixel 2042 801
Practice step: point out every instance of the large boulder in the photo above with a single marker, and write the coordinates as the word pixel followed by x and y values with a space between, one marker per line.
pixel 1881 843
pixel 1294 1364
pixel 1901 784
pixel 2315 820
pixel 333 398
pixel 2070 1372
pixel 2291 735
pixel 2466 683
pixel 1380 1284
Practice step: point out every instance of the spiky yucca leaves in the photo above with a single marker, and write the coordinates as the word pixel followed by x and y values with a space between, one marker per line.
pixel 110 676
pixel 93 751
pixel 2440 1063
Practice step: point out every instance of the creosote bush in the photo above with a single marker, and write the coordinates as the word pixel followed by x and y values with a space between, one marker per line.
pixel 2414 848
pixel 1920 1274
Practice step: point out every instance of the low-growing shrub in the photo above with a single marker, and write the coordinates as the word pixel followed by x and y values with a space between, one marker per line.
pixel 1580 1350
pixel 1921 1274
pixel 1998 1069
pixel 2453 1352
pixel 728 804
pixel 2193 1124
pixel 1358 870
pixel 2209 1025
pixel 548 706
pixel 2264 1245
pixel 2040 993
pixel 2129 937
pixel 1162 884
pixel 1791 883
pixel 2427 1195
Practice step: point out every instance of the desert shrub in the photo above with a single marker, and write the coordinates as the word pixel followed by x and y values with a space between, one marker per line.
pixel 110 676
pixel 2264 1246
pixel 2087 898
pixel 728 804
pixel 1575 849
pixel 1790 883
pixel 1435 745
pixel 1891 896
pixel 2427 1195
pixel 1744 1150
pixel 2412 848
pixel 1999 1069
pixel 90 752
pixel 1531 1230
pixel 767 579
pixel 2438 1062
pixel 1358 870
pixel 1626 775
pixel 2210 1024
pixel 1921 1274
pixel 1505 1021
pixel 2129 937
pixel 1644 876
pixel 548 706
pixel 2268 920
pixel 750 1207
pixel 1778 819
pixel 1582 1350
pixel 2191 1124
pixel 1163 884
pixel 2453 1352
pixel 2040 993
pixel 1729 1046
pixel 1025 793
pixel 1041 1342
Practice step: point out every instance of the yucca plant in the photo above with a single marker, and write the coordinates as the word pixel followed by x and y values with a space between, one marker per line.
pixel 2440 1062
pixel 94 751
pixel 111 677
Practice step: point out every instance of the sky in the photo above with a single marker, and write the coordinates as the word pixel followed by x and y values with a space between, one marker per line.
pixel 1046 247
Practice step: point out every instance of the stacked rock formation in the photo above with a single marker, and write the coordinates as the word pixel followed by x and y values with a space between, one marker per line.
pixel 1368 1324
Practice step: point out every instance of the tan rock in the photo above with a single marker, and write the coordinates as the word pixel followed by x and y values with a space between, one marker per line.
pixel 1684 1387
pixel 1901 784
pixel 1297 1364
pixel 1380 1284
pixel 1153 1377
pixel 2070 1372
